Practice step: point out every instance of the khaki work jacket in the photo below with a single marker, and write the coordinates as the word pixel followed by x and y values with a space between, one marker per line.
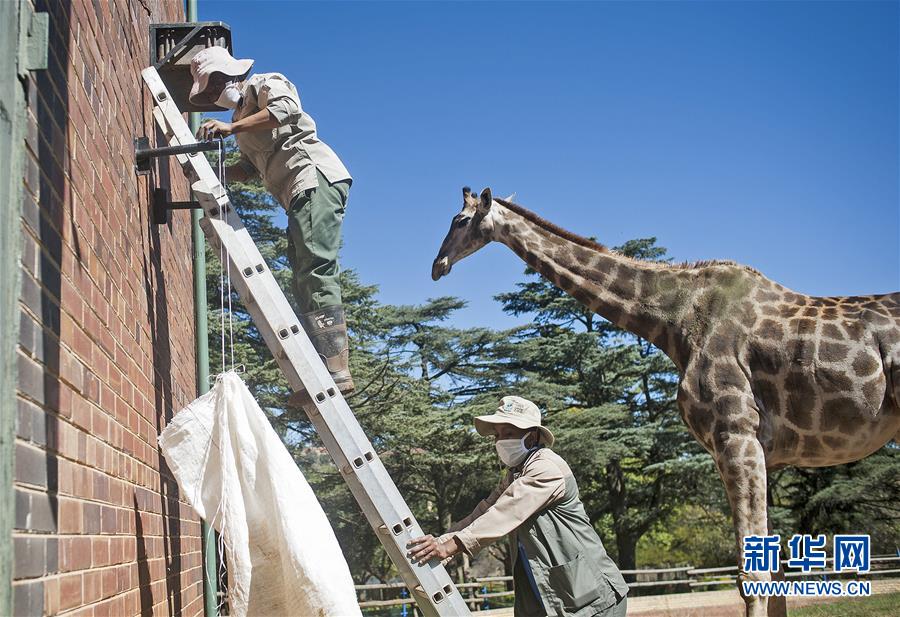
pixel 286 157
pixel 538 505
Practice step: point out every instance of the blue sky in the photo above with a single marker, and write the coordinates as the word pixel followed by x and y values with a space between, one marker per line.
pixel 761 132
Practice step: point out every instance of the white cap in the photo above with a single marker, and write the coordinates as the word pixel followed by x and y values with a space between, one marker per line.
pixel 519 412
pixel 214 60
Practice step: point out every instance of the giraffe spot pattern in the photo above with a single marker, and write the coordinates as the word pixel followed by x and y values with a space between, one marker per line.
pixel 832 351
pixel 770 329
pixel 833 331
pixel 838 414
pixel 835 443
pixel 874 392
pixel 834 381
pixel 801 399
pixel 864 364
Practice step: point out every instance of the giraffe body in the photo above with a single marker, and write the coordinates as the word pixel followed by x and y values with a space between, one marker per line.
pixel 822 375
pixel 768 377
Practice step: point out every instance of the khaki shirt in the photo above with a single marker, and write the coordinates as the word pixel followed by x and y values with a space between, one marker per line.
pixel 287 157
pixel 538 504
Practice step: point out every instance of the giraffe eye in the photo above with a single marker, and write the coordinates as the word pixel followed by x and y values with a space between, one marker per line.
pixel 463 222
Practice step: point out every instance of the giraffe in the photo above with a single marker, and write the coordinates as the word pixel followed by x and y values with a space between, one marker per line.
pixel 768 377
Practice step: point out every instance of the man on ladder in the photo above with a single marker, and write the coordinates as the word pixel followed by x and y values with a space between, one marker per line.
pixel 278 142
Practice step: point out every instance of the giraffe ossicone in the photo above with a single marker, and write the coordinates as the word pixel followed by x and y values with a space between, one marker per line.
pixel 768 376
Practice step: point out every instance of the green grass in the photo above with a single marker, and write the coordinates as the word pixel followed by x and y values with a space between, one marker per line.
pixel 882 605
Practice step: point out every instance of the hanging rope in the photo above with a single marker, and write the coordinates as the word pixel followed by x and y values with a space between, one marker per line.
pixel 225 287
pixel 225 273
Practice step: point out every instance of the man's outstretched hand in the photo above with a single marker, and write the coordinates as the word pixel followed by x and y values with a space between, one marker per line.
pixel 212 129
pixel 428 547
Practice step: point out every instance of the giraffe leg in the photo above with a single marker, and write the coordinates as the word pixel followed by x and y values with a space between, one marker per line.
pixel 777 604
pixel 741 463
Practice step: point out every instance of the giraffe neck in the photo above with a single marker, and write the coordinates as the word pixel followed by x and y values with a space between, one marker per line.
pixel 645 298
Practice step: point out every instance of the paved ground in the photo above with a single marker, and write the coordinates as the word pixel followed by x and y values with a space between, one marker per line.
pixel 724 603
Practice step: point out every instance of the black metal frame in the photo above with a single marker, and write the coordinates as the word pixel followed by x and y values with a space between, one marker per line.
pixel 160 206
pixel 193 29
pixel 172 45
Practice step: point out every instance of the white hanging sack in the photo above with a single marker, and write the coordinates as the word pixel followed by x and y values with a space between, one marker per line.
pixel 282 555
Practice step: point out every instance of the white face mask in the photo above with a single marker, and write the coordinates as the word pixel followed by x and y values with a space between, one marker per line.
pixel 230 96
pixel 511 451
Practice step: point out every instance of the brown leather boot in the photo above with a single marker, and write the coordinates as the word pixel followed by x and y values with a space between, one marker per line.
pixel 327 330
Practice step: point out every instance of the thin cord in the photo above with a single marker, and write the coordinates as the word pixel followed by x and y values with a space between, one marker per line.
pixel 224 284
pixel 222 180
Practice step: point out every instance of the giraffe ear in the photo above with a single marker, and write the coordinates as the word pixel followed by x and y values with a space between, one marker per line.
pixel 485 204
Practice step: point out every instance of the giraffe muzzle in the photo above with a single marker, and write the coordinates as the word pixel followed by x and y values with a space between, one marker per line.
pixel 440 267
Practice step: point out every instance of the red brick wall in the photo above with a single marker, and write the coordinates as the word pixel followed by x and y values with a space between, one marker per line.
pixel 106 350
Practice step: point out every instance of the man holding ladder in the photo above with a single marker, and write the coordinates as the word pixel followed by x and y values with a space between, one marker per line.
pixel 278 142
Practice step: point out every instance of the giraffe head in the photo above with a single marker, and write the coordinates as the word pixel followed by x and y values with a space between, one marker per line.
pixel 470 230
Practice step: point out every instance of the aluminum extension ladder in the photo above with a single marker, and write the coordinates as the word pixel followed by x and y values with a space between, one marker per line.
pixel 362 469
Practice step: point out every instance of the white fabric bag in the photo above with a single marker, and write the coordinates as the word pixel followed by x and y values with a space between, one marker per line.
pixel 283 557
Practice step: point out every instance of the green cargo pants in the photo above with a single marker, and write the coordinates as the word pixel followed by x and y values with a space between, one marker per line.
pixel 314 238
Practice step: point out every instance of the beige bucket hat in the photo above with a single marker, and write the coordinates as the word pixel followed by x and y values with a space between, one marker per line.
pixel 214 60
pixel 519 412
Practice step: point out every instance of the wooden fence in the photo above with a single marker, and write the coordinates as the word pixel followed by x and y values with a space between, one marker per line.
pixel 484 592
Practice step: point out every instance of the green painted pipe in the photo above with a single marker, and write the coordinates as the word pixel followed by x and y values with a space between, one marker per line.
pixel 201 342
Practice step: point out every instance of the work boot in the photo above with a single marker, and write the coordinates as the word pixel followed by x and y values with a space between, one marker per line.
pixel 327 330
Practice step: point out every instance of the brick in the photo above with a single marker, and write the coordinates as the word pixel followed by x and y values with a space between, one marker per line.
pixel 101 488
pixel 43 513
pixel 29 556
pixel 91 518
pixel 22 508
pixel 31 465
pixel 107 519
pixel 70 515
pixel 35 512
pixel 28 598
pixel 31 338
pixel 117 549
pixel 52 556
pixel 108 582
pixel 70 591
pixel 66 477
pixel 100 552
pixel 30 378
pixel 81 413
pixel 25 411
pixel 72 555
pixel 92 586
pixel 71 370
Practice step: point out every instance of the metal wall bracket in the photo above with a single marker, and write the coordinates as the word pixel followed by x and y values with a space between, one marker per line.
pixel 144 154
pixel 143 165
pixel 161 206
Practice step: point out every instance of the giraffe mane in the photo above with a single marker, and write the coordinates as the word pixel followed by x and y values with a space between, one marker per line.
pixel 556 229
pixel 594 245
